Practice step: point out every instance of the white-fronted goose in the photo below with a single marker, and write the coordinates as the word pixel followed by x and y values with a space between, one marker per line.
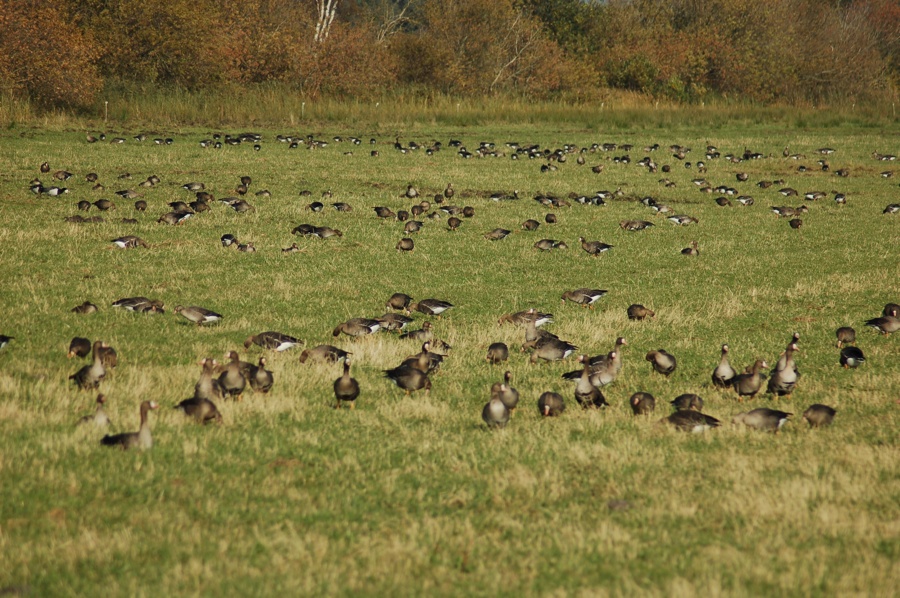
pixel 692 250
pixel 140 439
pixel 819 416
pixel 383 212
pixel 453 223
pixel 885 324
pixel 642 403
pixel 505 392
pixel 531 225
pixel 346 389
pixel 594 247
pixel 405 244
pixel 583 297
pixel 357 327
pixel 431 307
pixel 551 404
pixel 4 340
pixel 85 308
pixel 497 353
pixel 891 309
pixel 292 249
pixel 634 225
pixel 586 394
pixel 327 353
pixel 845 336
pixel 663 362
pixel 202 410
pixel 495 414
pixel 784 379
pixel 551 349
pixel 636 311
pixel 691 421
pixel 174 218
pixel 109 357
pixel 749 383
pixel 140 304
pixel 325 232
pixel 232 379
pixel 767 420
pixel 522 318
pixel 275 341
pixel 413 226
pixel 261 379
pixel 496 234
pixel 399 301
pixel 129 242
pixel 424 361
pixel 246 247
pixel 687 401
pixel 78 347
pixel 724 374
pixel 795 223
pixel 423 334
pixel 550 218
pixel 394 322
pixel 98 418
pixel 229 240
pixel 682 220
pixel 198 315
pixel 90 376
pixel 893 208
pixel 409 379
pixel 852 357
pixel 207 386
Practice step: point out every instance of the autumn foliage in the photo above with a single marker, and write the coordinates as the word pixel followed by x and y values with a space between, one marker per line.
pixel 60 54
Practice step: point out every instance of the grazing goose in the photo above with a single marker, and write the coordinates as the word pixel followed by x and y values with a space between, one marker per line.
pixel 275 341
pixel 383 212
pixel 594 247
pixel 691 421
pixel 552 349
pixel 634 225
pixel 202 410
pixel 129 242
pixel 453 223
pixel 198 315
pixel 845 336
pixel 819 416
pixel 551 404
pixel 232 379
pixel 207 386
pixel 642 403
pixel 174 218
pixel 548 244
pixel 140 439
pixel 342 206
pixel 663 362
pixel 85 308
pixel 495 414
pixel 140 304
pixel 327 353
pixel 346 389
pixel 583 297
pixel 413 226
pixel 261 379
pixel 795 223
pixel 4 340
pixel 852 357
pixel 394 322
pixel 292 249
pixel 90 376
pixel 497 353
pixel 241 206
pixel 550 218
pixel 399 301
pixel 749 383
pixel 78 347
pixel 682 220
pixel 98 418
pixel 409 379
pixel 692 250
pixel 496 234
pixel 885 324
pixel 431 307
pixel 636 311
pixel 530 225
pixel 325 232
pixel 767 420
pixel 357 327
pixel 229 240
pixel 246 248
pixel 783 379
pixel 687 402
pixel 405 244
pixel 522 318
pixel 893 208
pixel 586 394
pixel 724 374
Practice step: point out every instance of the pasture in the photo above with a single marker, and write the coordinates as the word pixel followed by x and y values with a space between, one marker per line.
pixel 414 495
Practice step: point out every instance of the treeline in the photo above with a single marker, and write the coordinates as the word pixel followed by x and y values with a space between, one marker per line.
pixel 62 54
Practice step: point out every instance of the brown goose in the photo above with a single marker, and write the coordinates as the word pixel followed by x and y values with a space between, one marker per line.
pixel 687 402
pixel 357 327
pixel 198 315
pixel 323 353
pixel 431 307
pixel 232 379
pixel 399 301
pixel 636 311
pixel 724 374
pixel 79 347
pixel 845 336
pixel 497 353
pixel 506 393
pixel 98 418
pixel 533 335
pixel 642 403
pixel 85 308
pixel 583 297
pixel 129 242
pixel 453 223
pixel 750 383
pixel 885 324
pixel 409 379
pixel 767 420
pixel 90 376
pixel 552 349
pixel 551 404
pixel 202 410
pixel 891 309
pixel 275 341
pixel 692 250
pixel 109 357
pixel 346 389
pixel 394 322
pixel 691 421
pixel 140 304
pixel 586 394
pixel 140 439
pixel 495 414
pixel 522 318
pixel 261 379
pixel 423 334
pixel 594 248
pixel 663 362
pixel 783 380
pixel 819 416
pixel 530 225
pixel 207 386
pixel 405 244
pixel 634 225
pixel 424 361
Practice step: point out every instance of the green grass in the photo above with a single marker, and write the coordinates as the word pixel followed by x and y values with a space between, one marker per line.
pixel 412 496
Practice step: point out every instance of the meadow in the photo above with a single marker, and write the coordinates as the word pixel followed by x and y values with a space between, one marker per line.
pixel 414 495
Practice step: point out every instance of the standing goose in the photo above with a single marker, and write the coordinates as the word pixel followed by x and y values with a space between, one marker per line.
pixel 508 395
pixel 497 353
pixel 782 359
pixel 208 386
pixel 90 376
pixel 594 248
pixel 642 403
pixel 586 394
pixel 583 297
pixel 636 311
pixel 232 379
pixel 98 418
pixel 783 380
pixel 357 327
pixel 748 384
pixel 346 389
pixel 275 341
pixel 400 302
pixel 663 362
pixel 845 336
pixel 767 420
pixel 495 414
pixel 79 347
pixel 405 244
pixel 551 404
pixel 724 374
pixel 852 357
pixel 198 315
pixel 323 353
pixel 819 416
pixel 140 439
pixel 431 307
pixel 886 324
pixel 424 361
pixel 409 379
pixel 261 379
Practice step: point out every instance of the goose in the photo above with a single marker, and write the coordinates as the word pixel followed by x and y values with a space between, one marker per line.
pixel 139 304
pixel 104 205
pixel 229 240
pixel 198 315
pixel 346 389
pixel 129 242
pixel 140 439
pixel 4 340
pixel 357 327
pixel 90 376
pixel 767 420
pixel 424 361
pixel 241 206
pixel 552 349
pixel 423 334
pixel 497 353
pixel 399 301
pixel 663 362
pixel 316 206
pixel 409 379
pixel 551 404
pixel 550 218
pixel 411 192
pixel 522 318
pixel 175 218
pixel 636 311
pixel 495 414
pixel 530 225
pixel 140 205
pixel 85 308
pixel 198 206
pixel 845 335
pixel 692 250
pixel 893 208
pixel 275 341
pixel 98 418
pixel 261 379
pixel 431 307
pixel 496 234
pixel 327 353
pixel 292 249
pixel 819 416
pixel 505 392
pixel 642 403
pixel 885 324
pixel 178 206
pixel 749 383
pixel 533 336
pixel 207 387
pixel 453 223
pixel 394 322
pixel 795 223
pixel 603 369
pixel 783 379
pixel 891 309
pixel 202 410
pixel 342 206
pixel 634 225
pixel 594 247
pixel 586 394
pixel 449 191
pixel 723 375
pixel 687 402
pixel 383 212
pixel 852 357
pixel 691 421
pixel 405 244
pixel 468 212
pixel 193 186
pixel 583 297
pixel 109 357
pixel 128 194
pixel 682 220
pixel 548 244
pixel 232 379
pixel 78 347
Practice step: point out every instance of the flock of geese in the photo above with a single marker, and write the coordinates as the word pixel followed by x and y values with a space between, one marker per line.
pixel 230 379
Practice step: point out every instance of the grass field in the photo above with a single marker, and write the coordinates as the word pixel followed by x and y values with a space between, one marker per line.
pixel 413 495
